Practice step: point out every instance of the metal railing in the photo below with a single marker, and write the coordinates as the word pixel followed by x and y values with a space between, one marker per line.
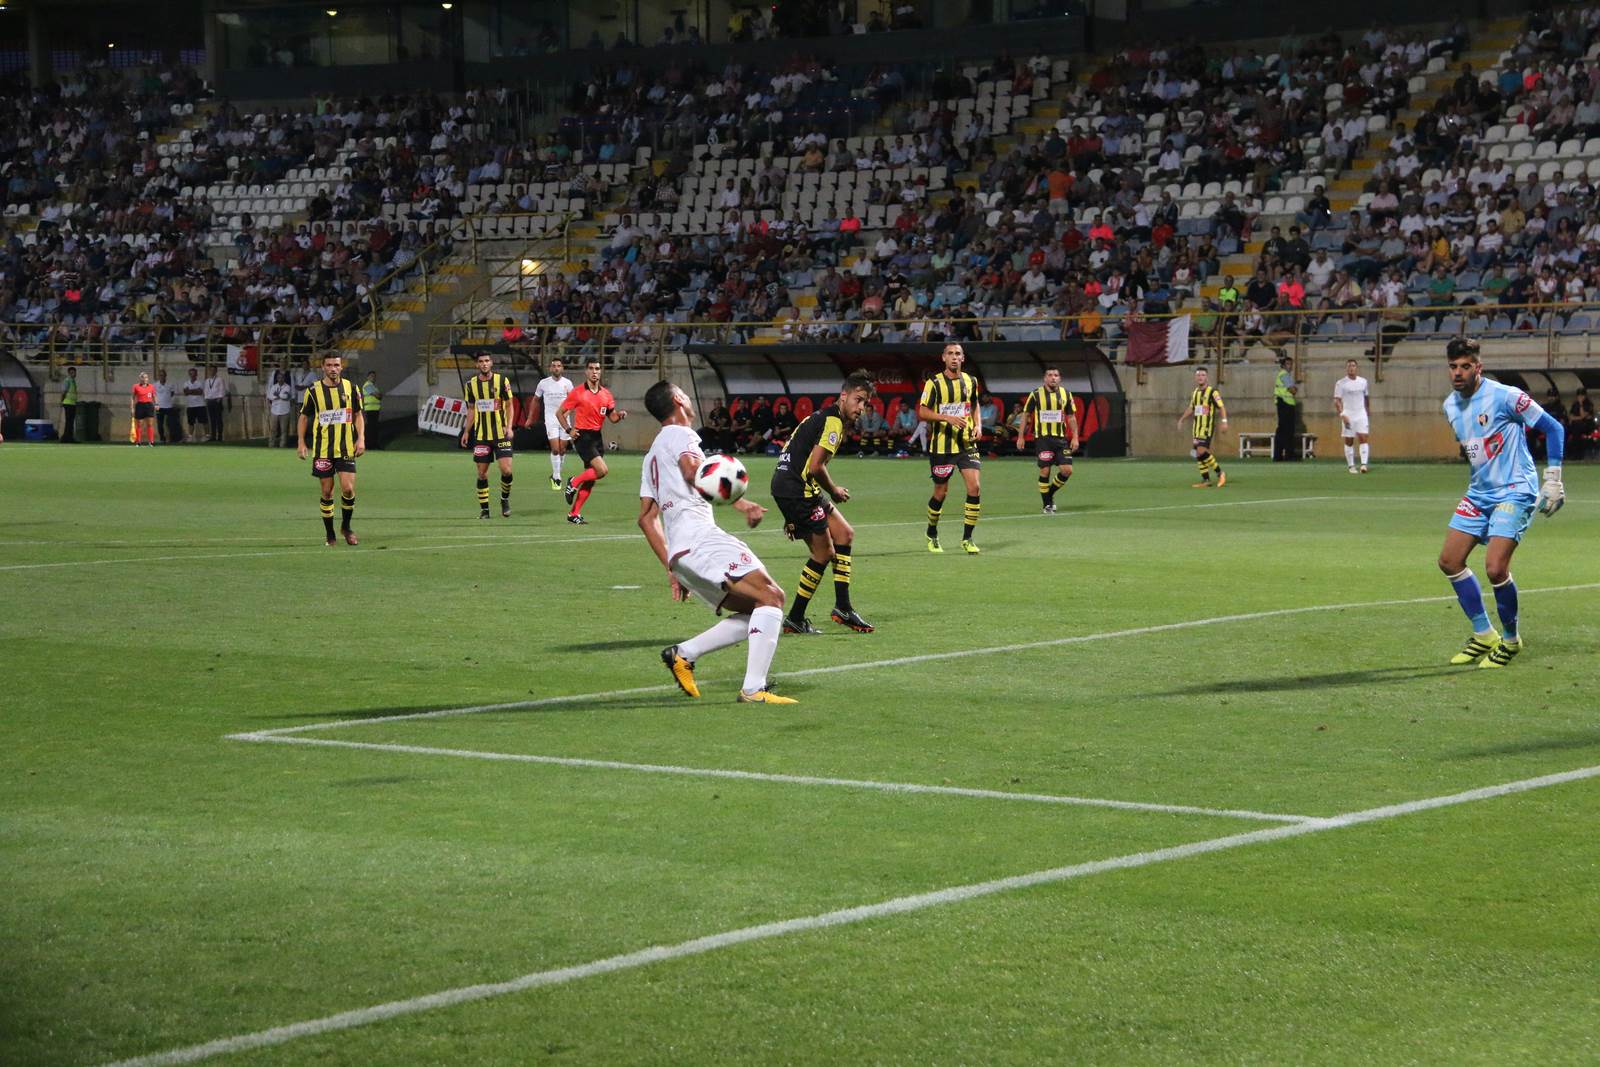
pixel 1216 337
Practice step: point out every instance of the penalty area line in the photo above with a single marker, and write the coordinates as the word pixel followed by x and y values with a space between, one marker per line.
pixel 480 543
pixel 700 946
pixel 898 661
pixel 784 779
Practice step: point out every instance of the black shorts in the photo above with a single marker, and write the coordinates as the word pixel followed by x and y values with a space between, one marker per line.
pixel 589 444
pixel 1048 450
pixel 327 468
pixel 144 410
pixel 489 451
pixel 941 465
pixel 197 415
pixel 808 515
pixel 1202 442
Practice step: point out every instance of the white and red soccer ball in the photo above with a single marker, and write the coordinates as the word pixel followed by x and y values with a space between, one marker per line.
pixel 722 479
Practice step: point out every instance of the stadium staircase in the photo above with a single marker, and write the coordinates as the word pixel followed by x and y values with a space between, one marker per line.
pixel 1345 191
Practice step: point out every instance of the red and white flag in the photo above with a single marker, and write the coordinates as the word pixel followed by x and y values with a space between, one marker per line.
pixel 1158 342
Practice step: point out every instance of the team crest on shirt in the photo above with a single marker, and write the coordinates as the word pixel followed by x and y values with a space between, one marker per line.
pixel 1483 419
pixel 744 557
pixel 833 438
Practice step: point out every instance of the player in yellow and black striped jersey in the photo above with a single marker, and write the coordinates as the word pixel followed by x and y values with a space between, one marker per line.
pixel 949 405
pixel 331 408
pixel 1054 420
pixel 802 486
pixel 1205 404
pixel 488 434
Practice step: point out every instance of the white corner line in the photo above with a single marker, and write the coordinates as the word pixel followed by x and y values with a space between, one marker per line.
pixel 929 657
pixel 699 946
pixel 537 539
pixel 786 779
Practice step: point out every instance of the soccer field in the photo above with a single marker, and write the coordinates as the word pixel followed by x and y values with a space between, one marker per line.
pixel 1172 776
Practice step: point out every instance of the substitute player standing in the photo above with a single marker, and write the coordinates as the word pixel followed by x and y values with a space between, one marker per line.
pixel 1491 422
pixel 1055 429
pixel 949 406
pixel 549 395
pixel 1350 404
pixel 799 483
pixel 1205 403
pixel 490 399
pixel 584 413
pixel 332 408
pixel 701 558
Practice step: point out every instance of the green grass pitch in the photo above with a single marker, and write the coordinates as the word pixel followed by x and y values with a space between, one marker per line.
pixel 163 886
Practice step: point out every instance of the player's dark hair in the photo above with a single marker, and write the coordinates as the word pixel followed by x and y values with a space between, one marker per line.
pixel 658 400
pixel 1462 346
pixel 1051 367
pixel 591 362
pixel 858 379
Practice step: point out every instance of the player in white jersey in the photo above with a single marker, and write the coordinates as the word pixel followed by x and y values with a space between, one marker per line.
pixel 1350 404
pixel 549 393
pixel 703 559
pixel 1491 421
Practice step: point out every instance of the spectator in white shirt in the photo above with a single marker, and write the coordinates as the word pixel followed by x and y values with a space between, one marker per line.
pixel 280 402
pixel 215 391
pixel 167 411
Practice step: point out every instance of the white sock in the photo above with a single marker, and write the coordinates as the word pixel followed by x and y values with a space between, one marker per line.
pixel 1363 455
pixel 555 465
pixel 729 631
pixel 766 623
pixel 1349 455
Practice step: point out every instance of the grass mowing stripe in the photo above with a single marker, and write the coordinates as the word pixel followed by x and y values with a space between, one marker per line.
pixel 481 543
pixel 843 917
pixel 928 657
pixel 787 779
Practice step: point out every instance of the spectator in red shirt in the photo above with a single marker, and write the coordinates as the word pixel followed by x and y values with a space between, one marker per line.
pixel 584 412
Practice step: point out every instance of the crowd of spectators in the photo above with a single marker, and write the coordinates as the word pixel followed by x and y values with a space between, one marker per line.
pixel 1454 225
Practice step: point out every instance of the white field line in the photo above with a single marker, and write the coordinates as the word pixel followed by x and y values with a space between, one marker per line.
pixel 786 779
pixel 534 540
pixel 699 946
pixel 866 665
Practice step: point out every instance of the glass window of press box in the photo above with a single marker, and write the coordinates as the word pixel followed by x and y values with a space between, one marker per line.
pixel 339 34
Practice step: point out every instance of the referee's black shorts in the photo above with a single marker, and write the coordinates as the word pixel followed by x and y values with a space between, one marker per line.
pixel 589 444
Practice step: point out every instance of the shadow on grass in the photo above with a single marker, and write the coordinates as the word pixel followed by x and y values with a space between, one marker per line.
pixel 656 643
pixel 1531 746
pixel 1287 683
pixel 713 692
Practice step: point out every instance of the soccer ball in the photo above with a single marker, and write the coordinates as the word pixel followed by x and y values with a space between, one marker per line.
pixel 722 479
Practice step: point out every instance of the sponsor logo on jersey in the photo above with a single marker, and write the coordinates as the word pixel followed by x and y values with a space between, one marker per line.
pixel 1046 455
pixel 818 514
pixel 1467 510
pixel 480 451
pixel 944 470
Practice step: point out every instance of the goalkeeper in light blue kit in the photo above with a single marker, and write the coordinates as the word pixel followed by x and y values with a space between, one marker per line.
pixel 1491 422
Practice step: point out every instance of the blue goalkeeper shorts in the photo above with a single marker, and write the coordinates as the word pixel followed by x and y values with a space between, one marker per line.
pixel 1509 518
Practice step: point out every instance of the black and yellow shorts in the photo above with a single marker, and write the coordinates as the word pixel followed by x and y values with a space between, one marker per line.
pixel 941 465
pixel 808 515
pixel 489 451
pixel 327 468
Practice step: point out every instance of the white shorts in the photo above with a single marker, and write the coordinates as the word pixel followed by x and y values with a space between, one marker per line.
pixel 1356 425
pixel 555 431
pixel 716 557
